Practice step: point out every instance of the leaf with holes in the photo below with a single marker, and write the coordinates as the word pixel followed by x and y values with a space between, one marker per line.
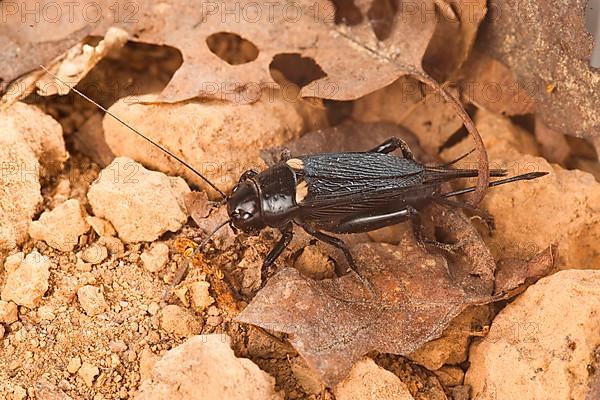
pixel 333 323
pixel 335 51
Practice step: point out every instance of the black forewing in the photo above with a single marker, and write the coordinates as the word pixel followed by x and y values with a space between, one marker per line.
pixel 348 183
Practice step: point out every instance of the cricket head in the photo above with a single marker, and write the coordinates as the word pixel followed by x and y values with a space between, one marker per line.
pixel 243 207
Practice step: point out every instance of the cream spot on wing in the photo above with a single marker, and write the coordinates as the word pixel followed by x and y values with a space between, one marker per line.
pixel 295 163
pixel 301 191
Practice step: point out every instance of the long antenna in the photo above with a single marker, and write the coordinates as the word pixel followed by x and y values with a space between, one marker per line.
pixel 167 151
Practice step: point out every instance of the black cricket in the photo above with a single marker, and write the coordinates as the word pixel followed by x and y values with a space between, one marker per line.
pixel 343 193
pixel 333 193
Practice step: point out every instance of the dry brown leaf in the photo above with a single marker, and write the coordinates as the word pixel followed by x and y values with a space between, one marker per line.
pixel 343 61
pixel 513 273
pixel 454 36
pixel 228 47
pixel 78 61
pixel 333 323
pixel 548 48
pixel 34 33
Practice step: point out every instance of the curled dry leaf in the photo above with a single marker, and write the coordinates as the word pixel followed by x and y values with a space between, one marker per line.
pixel 32 34
pixel 233 51
pixel 454 35
pixel 514 274
pixel 333 323
pixel 78 61
pixel 71 67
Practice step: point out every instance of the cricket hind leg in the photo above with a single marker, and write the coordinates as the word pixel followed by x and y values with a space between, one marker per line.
pixel 392 144
pixel 367 223
pixel 338 243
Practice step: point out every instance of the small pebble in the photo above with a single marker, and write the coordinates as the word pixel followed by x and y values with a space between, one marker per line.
pixel 117 346
pixel 91 300
pixel 19 393
pixel 27 284
pixel 214 320
pixel 114 360
pixel 88 373
pixel 82 266
pixel 64 385
pixel 181 294
pixel 113 244
pixel 8 312
pixel 156 257
pixel 61 227
pixel 200 295
pixel 101 226
pixel 153 308
pixel 46 313
pixel 155 201
pixel 179 321
pixel 12 262
pixel 74 365
pixel 131 356
pixel 95 254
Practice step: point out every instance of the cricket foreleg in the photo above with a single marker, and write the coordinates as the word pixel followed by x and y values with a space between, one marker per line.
pixel 287 233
